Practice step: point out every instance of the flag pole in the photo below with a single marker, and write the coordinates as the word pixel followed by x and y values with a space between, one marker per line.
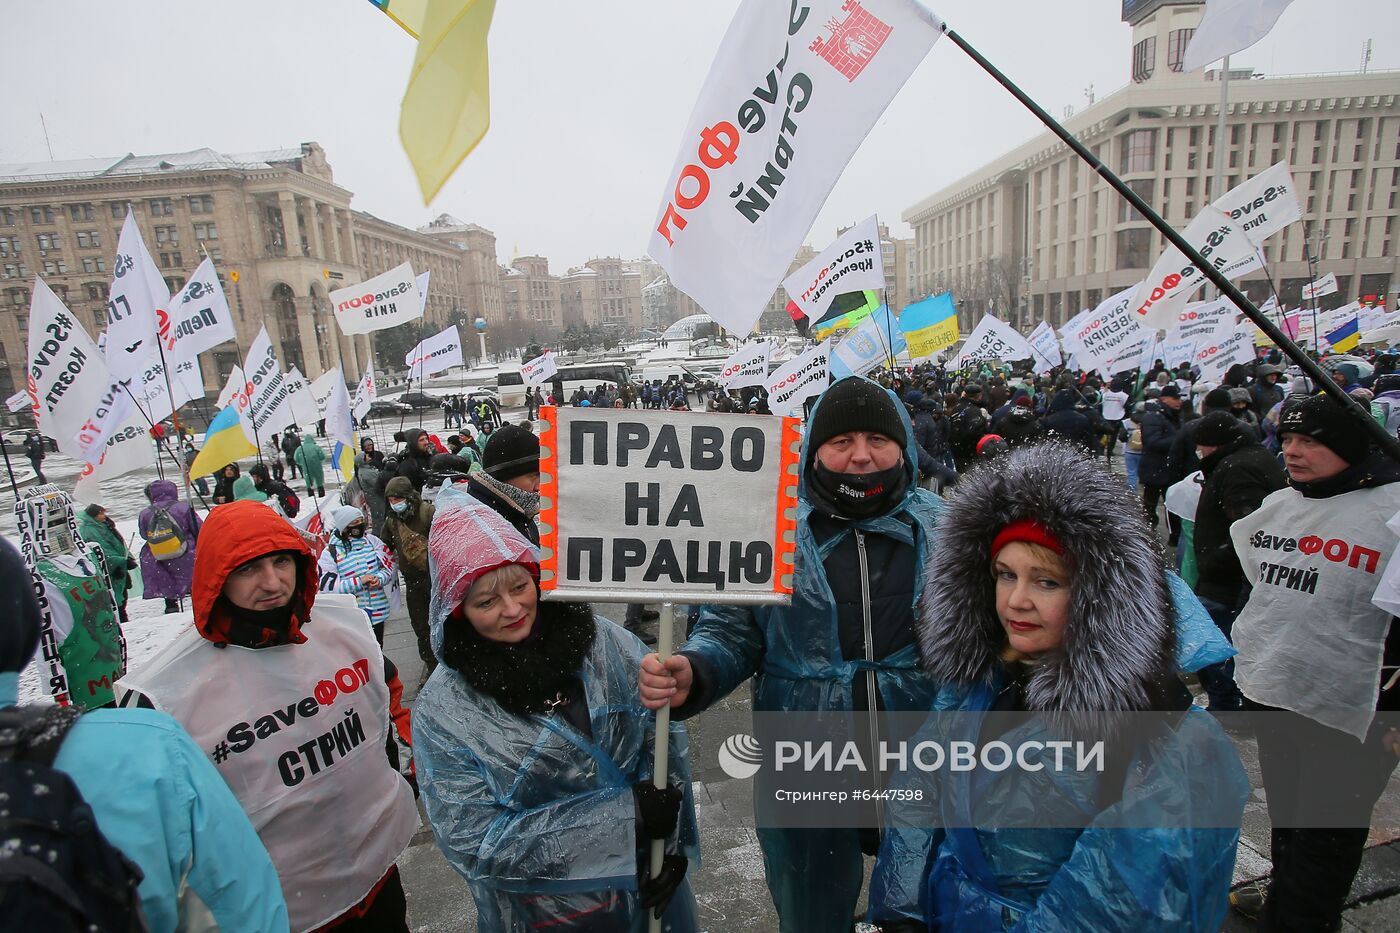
pixel 252 410
pixel 14 487
pixel 1309 366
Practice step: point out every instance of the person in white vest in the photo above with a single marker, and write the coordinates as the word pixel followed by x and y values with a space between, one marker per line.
pixel 1317 661
pixel 283 688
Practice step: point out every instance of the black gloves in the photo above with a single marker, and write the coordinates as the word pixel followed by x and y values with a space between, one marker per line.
pixel 657 892
pixel 657 809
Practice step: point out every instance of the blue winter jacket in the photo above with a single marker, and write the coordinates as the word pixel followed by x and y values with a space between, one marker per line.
pixel 794 652
pixel 946 863
pixel 159 800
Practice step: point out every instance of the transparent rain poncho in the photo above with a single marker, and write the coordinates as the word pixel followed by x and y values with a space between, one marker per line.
pixel 538 818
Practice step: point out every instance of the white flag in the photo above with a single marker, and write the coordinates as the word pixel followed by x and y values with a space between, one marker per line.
pixel 365 393
pixel 871 343
pixel 73 397
pixel 422 283
pixel 1327 285
pixel 1269 306
pixel 1108 333
pixel 387 300
pixel 321 388
pixel 799 379
pixel 435 354
pixel 1230 26
pixel 1264 204
pixel 540 370
pixel 304 410
pixel 790 95
pixel 199 318
pixel 18 402
pixel 851 264
pixel 339 424
pixel 137 296
pixel 994 339
pixel 129 448
pixel 266 386
pixel 1201 318
pixel 1176 352
pixel 1217 352
pixel 1174 279
pixel 746 366
pixel 1046 347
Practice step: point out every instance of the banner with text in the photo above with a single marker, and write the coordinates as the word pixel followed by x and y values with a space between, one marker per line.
pixel 365 394
pixel 435 354
pixel 540 370
pixel 872 343
pixel 1217 352
pixel 1265 204
pixel 1174 279
pixel 790 95
pixel 268 401
pixel 387 300
pixel 129 448
pixel 851 264
pixel 1327 285
pixel 746 366
pixel 1201 318
pixel 137 295
pixel 799 379
pixel 669 506
pixel 1046 347
pixel 303 403
pixel 199 318
pixel 994 339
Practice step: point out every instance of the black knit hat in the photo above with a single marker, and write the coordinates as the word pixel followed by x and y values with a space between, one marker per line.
pixel 512 451
pixel 1217 399
pixel 1326 422
pixel 855 404
pixel 1218 429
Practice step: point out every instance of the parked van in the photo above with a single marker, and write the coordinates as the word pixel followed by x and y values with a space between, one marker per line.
pixel 586 375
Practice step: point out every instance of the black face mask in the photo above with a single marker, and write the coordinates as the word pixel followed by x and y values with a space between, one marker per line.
pixel 355 531
pixel 857 496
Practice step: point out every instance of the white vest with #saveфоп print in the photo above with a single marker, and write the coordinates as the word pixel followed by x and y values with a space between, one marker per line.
pixel 298 733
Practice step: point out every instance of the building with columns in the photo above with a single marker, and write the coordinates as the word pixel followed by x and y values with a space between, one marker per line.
pixel 530 297
pixel 603 292
pixel 1036 235
pixel 276 218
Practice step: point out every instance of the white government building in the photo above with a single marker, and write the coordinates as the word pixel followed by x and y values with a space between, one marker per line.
pixel 1037 235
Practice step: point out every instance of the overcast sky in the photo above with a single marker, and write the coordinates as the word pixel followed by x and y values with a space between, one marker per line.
pixel 588 98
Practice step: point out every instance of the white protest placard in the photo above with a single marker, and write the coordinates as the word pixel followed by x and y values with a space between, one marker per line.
pixel 540 370
pixel 387 300
pixel 129 448
pixel 1217 352
pixel 18 402
pixel 1201 318
pixel 1326 285
pixel 267 387
pixel 1264 204
pixel 666 506
pixel 1176 352
pixel 1108 332
pixel 1174 279
pixel 799 379
pixel 1046 347
pixel 303 403
pixel 137 294
pixel 872 343
pixel 365 394
pixel 434 354
pixel 994 339
pixel 151 389
pixel 850 264
pixel 71 393
pixel 746 366
pixel 789 97
pixel 199 318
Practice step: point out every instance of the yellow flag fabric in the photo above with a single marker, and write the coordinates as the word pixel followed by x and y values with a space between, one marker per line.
pixel 224 442
pixel 446 108
pixel 407 13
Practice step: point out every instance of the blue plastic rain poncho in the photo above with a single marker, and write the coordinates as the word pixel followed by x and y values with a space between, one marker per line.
pixel 538 817
pixel 1146 844
pixel 796 658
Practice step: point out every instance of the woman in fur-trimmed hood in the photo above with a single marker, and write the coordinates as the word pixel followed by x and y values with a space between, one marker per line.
pixel 1047 594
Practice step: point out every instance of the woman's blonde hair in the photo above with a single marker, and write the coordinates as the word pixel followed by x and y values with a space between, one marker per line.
pixel 504 577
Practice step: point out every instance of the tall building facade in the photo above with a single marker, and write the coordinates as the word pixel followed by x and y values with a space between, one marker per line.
pixel 277 219
pixel 531 296
pixel 603 292
pixel 1036 235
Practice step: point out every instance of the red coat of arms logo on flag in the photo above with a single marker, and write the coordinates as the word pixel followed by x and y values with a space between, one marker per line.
pixel 853 41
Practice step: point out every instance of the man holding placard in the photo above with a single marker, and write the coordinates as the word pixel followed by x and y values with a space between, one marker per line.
pixel 846 642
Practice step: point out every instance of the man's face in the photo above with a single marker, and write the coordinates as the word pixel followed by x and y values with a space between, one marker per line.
pixel 264 583
pixel 1308 460
pixel 1340 378
pixel 859 452
pixel 422 443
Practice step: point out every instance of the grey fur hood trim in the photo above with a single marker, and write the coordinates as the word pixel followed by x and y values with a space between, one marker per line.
pixel 1118 651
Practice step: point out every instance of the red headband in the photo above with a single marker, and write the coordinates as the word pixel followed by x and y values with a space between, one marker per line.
pixel 1030 531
